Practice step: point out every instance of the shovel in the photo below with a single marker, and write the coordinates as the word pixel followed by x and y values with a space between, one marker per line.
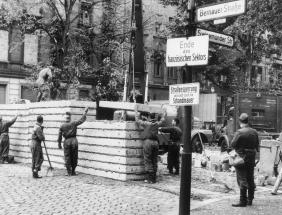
pixel 50 168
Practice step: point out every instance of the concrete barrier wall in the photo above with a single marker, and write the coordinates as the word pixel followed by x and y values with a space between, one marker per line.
pixel 268 149
pixel 106 148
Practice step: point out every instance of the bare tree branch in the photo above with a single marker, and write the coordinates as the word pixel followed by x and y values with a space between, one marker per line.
pixel 52 4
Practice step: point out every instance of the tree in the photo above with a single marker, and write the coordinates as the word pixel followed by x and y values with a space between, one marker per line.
pixel 78 49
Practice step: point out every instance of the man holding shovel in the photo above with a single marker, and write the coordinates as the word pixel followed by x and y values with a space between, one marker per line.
pixel 4 138
pixel 36 148
pixel 68 131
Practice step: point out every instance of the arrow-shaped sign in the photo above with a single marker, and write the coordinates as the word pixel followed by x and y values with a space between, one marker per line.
pixel 222 39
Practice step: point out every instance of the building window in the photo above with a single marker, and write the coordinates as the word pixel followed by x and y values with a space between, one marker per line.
pixel 84 94
pixel 158 64
pixel 256 74
pixel 258 112
pixel 85 13
pixel 16 49
pixel 28 93
pixel 171 73
pixel 2 94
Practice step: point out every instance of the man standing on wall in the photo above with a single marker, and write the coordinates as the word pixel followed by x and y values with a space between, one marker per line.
pixel 173 145
pixel 68 131
pixel 150 146
pixel 4 138
pixel 36 148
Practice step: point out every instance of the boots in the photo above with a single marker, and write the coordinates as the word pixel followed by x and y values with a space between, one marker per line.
pixel 150 178
pixel 243 199
pixel 35 174
pixel 73 173
pixel 153 177
pixel 251 193
pixel 69 172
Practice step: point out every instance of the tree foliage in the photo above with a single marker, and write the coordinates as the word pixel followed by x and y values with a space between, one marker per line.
pixel 78 50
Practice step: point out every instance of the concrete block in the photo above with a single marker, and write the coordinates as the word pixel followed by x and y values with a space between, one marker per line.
pixel 268 149
pixel 106 148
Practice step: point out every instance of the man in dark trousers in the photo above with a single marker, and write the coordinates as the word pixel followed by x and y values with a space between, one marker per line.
pixel 36 148
pixel 246 144
pixel 68 131
pixel 150 146
pixel 173 145
pixel 4 138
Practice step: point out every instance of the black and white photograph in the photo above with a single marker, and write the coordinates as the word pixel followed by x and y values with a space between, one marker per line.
pixel 140 107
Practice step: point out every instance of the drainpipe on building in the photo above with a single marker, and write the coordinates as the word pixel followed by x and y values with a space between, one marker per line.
pixel 146 88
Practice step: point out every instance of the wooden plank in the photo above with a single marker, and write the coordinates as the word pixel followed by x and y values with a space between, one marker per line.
pixel 131 106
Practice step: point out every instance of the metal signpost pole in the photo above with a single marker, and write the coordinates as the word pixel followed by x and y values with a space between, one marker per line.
pixel 186 157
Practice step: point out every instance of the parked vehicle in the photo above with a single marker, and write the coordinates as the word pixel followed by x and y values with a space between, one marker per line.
pixel 264 112
pixel 201 133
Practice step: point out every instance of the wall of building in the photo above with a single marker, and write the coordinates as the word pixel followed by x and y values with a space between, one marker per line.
pixel 12 88
pixel 110 149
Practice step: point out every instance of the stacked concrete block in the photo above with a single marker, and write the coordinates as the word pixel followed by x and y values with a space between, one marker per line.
pixel 110 149
pixel 268 151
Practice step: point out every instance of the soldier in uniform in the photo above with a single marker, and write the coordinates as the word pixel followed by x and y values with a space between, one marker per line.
pixel 173 145
pixel 68 131
pixel 246 144
pixel 36 148
pixel 150 146
pixel 4 138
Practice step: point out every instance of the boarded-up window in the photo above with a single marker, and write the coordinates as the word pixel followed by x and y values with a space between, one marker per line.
pixel 30 49
pixel 4 45
pixel 2 94
pixel 83 94
pixel 16 46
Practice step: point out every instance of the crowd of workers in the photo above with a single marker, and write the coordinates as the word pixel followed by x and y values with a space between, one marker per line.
pixel 245 143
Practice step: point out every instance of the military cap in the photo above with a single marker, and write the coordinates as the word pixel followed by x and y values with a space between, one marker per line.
pixel 244 118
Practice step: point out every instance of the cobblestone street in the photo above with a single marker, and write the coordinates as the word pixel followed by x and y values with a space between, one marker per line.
pixel 85 194
pixel 82 194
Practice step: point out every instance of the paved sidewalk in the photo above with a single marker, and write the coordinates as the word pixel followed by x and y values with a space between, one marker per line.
pixel 264 204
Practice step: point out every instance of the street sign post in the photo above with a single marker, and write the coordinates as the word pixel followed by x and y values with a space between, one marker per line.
pixel 192 51
pixel 222 39
pixel 220 10
pixel 184 94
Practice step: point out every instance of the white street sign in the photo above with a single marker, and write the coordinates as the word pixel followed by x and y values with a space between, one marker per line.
pixel 219 21
pixel 193 51
pixel 218 38
pixel 220 10
pixel 184 94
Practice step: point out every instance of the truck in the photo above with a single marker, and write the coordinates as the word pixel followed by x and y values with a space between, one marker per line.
pixel 264 110
pixel 204 118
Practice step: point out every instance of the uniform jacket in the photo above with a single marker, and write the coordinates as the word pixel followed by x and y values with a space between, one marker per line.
pixel 150 127
pixel 4 126
pixel 175 133
pixel 68 130
pixel 246 143
pixel 37 134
